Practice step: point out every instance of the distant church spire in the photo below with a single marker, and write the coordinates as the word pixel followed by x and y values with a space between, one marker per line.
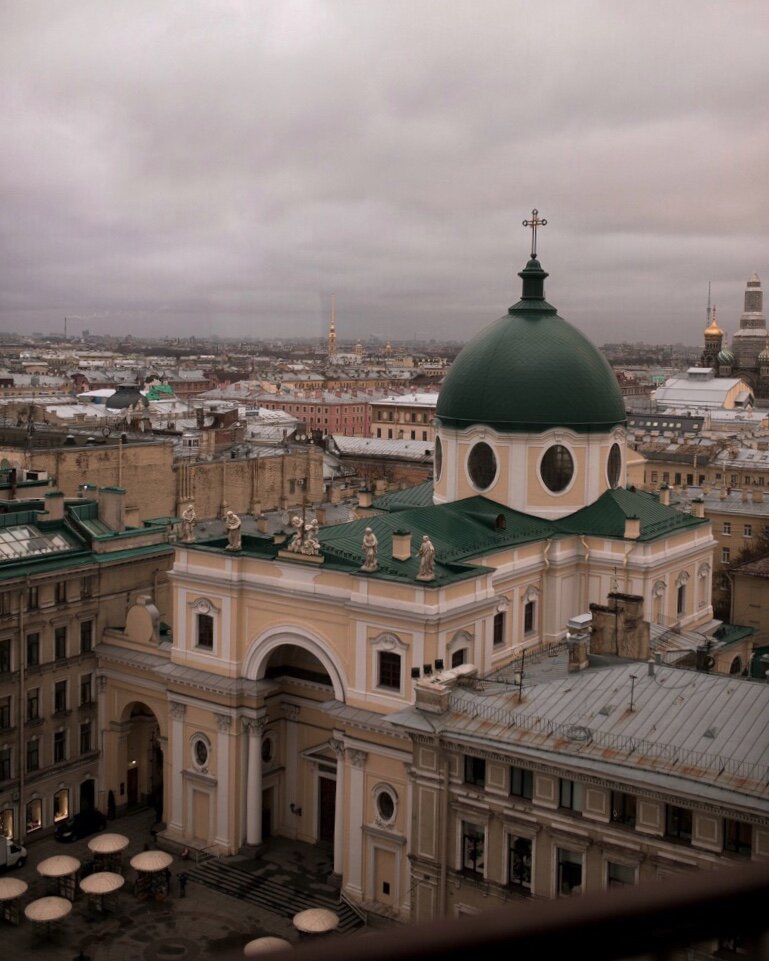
pixel 332 330
pixel 709 307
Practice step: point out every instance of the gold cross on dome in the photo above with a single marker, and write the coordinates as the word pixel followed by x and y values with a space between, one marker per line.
pixel 534 223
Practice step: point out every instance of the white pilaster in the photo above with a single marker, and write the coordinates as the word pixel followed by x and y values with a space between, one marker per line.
pixel 338 748
pixel 222 830
pixel 254 783
pixel 355 846
pixel 177 763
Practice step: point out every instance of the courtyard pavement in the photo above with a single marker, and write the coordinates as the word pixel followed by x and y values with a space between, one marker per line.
pixel 203 924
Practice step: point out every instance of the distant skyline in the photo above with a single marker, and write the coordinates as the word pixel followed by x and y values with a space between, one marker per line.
pixel 225 166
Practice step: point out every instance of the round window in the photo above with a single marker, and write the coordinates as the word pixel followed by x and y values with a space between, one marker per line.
pixel 266 750
pixel 482 465
pixel 557 468
pixel 385 805
pixel 438 458
pixel 200 749
pixel 614 465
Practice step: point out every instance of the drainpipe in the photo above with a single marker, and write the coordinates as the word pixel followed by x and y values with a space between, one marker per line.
pixel 21 758
pixel 587 569
pixel 628 549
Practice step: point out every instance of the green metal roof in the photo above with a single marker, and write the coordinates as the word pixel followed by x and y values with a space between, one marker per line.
pixel 531 371
pixel 606 517
pixel 420 495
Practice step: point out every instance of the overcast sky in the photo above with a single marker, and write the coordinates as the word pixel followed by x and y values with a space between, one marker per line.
pixel 184 167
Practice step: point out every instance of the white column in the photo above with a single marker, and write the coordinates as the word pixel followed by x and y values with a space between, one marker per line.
pixel 222 830
pixel 254 783
pixel 338 748
pixel 101 738
pixel 177 763
pixel 358 762
pixel 291 786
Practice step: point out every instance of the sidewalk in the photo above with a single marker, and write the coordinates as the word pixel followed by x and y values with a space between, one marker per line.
pixel 203 925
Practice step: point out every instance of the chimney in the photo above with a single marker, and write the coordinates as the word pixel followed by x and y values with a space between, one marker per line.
pixel 54 504
pixel 722 493
pixel 112 507
pixel 745 495
pixel 577 641
pixel 632 528
pixel 261 523
pixel 320 515
pixel 364 497
pixel 665 495
pixel 757 495
pixel 401 545
pixel 698 507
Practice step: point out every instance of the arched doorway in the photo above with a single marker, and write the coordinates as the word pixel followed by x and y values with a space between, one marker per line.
pixel 141 759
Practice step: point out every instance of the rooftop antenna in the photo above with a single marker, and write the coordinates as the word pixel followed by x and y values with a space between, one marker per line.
pixel 710 309
pixel 65 328
pixel 632 689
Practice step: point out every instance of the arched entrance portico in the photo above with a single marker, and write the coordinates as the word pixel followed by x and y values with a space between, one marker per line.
pixel 292 782
pixel 140 759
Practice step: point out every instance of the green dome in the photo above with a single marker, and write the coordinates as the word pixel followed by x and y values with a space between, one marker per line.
pixel 531 371
pixel 725 357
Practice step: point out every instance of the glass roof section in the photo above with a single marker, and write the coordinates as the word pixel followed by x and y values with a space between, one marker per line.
pixel 28 541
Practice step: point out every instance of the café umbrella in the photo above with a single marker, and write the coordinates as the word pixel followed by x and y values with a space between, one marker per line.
pixel 108 843
pixel 264 945
pixel 11 888
pixel 103 882
pixel 59 866
pixel 45 910
pixel 316 921
pixel 151 861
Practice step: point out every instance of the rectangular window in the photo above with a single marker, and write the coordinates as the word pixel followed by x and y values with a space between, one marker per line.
pixel 5 603
pixel 85 738
pixel 528 617
pixel 5 764
pixel 522 783
pixel 569 864
pixel 59 746
pixel 60 697
pixel 5 656
pixel 690 479
pixel 623 808
pixel 678 823
pixel 61 805
pixel 86 689
pixel 677 480
pixel 571 795
pixel 33 599
pixel 33 755
pixel 738 837
pixel 665 477
pixel 390 670
pixel 499 628
pixel 725 555
pixel 60 643
pixel 654 477
pixel 205 631
pixel 473 845
pixel 86 586
pixel 5 712
pixel 747 530
pixel 475 770
pixel 33 704
pixel 727 528
pixel 33 650
pixel 60 592
pixel 619 875
pixel 519 863
pixel 86 637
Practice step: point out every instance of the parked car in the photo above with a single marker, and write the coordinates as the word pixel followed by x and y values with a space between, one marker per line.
pixel 80 826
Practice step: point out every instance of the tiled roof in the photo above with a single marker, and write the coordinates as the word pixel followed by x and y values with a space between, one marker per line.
pixel 606 517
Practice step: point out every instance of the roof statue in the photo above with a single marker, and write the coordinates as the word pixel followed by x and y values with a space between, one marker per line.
pixel 232 526
pixel 370 545
pixel 189 520
pixel 426 560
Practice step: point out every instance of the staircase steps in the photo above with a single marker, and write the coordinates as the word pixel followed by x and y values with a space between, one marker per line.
pixel 269 894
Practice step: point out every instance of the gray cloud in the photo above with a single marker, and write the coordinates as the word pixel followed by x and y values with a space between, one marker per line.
pixel 186 167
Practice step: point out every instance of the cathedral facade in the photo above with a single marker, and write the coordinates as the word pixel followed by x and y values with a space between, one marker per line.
pixel 278 705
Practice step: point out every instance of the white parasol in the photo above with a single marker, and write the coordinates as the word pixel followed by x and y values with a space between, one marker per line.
pixel 48 909
pixel 58 866
pixel 261 946
pixel 151 861
pixel 108 843
pixel 103 882
pixel 316 921
pixel 11 888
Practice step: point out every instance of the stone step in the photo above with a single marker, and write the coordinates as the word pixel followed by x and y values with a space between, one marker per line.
pixel 269 894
